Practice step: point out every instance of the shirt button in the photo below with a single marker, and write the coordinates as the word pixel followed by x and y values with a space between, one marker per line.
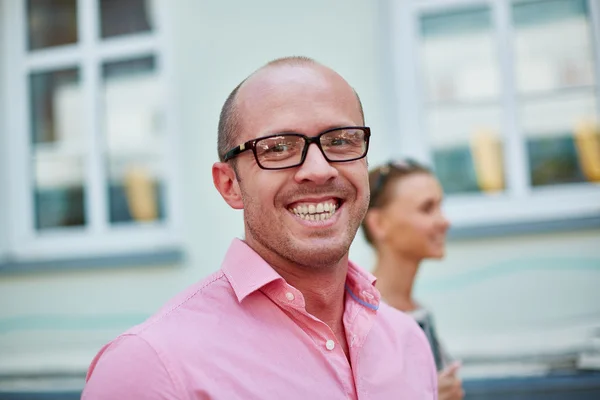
pixel 289 296
pixel 330 344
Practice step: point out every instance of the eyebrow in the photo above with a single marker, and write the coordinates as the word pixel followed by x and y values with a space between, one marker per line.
pixel 328 128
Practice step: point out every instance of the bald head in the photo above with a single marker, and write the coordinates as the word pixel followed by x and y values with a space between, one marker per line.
pixel 274 72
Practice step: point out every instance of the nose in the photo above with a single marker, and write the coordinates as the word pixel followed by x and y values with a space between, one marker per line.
pixel 443 221
pixel 315 167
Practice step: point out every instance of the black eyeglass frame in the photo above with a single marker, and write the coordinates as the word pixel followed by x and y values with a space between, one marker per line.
pixel 251 145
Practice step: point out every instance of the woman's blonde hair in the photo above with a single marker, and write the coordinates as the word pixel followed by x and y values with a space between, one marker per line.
pixel 381 181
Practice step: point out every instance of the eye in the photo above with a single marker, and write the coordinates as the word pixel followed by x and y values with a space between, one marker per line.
pixel 343 140
pixel 428 206
pixel 279 148
pixel 339 141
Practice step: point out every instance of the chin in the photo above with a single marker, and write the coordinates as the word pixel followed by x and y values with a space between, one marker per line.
pixel 436 254
pixel 319 253
pixel 320 260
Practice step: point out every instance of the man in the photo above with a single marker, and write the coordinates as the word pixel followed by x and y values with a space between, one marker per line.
pixel 287 316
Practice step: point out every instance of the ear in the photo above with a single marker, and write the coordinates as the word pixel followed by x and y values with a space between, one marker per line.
pixel 376 224
pixel 227 184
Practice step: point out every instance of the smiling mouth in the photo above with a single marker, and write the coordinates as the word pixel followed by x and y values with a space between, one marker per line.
pixel 316 211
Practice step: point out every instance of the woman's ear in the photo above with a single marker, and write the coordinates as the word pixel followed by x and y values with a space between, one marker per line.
pixel 225 180
pixel 375 224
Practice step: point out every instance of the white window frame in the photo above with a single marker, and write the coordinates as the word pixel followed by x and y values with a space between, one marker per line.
pixel 520 203
pixel 3 145
pixel 97 237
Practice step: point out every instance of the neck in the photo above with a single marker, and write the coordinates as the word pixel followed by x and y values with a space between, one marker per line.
pixel 324 294
pixel 323 291
pixel 322 288
pixel 395 275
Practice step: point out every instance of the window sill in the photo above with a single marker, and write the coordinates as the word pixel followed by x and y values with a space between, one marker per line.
pixel 525 228
pixel 134 259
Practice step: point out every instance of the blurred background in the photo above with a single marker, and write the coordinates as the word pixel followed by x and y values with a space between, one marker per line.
pixel 108 120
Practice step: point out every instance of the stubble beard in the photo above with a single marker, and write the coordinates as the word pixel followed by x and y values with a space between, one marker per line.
pixel 282 245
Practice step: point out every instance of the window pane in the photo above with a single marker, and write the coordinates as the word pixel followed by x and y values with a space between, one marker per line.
pixel 560 139
pixel 57 145
pixel 51 23
pixel 59 195
pixel 556 84
pixel 467 148
pixel 458 58
pixel 553 44
pixel 122 17
pixel 133 131
pixel 462 87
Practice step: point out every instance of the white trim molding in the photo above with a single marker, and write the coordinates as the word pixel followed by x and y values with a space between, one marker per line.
pixel 4 132
pixel 98 238
pixel 520 204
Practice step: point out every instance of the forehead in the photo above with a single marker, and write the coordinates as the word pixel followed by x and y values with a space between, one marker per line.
pixel 303 99
pixel 416 187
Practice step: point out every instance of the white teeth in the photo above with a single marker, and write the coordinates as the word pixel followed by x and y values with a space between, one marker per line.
pixel 315 212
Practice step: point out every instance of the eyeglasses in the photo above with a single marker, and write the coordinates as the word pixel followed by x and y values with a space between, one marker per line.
pixel 288 150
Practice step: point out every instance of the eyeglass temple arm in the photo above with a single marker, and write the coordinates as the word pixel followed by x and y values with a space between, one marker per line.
pixel 237 150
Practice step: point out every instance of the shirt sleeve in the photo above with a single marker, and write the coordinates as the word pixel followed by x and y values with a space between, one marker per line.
pixel 129 368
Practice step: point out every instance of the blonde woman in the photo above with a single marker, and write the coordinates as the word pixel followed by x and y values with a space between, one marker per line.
pixel 405 225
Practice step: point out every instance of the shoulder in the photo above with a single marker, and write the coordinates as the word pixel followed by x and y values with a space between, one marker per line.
pixel 201 300
pixel 116 370
pixel 406 331
pixel 154 349
pixel 191 310
pixel 400 341
pixel 401 322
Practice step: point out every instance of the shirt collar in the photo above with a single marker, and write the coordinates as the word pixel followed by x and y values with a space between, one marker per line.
pixel 248 272
pixel 360 285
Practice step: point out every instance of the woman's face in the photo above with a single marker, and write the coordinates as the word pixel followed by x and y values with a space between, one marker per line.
pixel 413 222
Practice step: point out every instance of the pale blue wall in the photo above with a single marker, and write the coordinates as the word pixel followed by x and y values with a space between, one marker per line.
pixel 56 321
pixel 485 294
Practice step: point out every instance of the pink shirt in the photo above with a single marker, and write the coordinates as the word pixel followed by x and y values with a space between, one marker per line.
pixel 244 333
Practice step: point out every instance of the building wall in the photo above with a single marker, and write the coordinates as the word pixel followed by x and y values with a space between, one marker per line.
pixel 487 290
pixel 522 303
pixel 57 320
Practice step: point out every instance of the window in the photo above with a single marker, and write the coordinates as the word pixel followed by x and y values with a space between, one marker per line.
pixel 91 149
pixel 462 99
pixel 506 105
pixel 556 91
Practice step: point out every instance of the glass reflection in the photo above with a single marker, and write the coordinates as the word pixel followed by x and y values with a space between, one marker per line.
pixel 57 148
pixel 134 136
pixel 51 23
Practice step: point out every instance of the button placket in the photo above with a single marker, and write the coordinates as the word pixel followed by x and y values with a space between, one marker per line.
pixel 330 345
